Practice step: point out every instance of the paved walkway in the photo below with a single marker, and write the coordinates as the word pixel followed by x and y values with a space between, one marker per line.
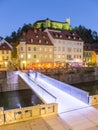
pixel 46 123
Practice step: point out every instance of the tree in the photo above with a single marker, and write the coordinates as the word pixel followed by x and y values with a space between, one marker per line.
pixel 84 33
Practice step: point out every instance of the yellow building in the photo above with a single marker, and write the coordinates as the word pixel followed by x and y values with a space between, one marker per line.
pixel 35 50
pixel 89 57
pixel 5 53
pixel 89 54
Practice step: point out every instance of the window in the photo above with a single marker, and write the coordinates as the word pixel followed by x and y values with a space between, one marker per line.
pixel 59 48
pixel 63 48
pixel 31 40
pixel 69 49
pixel 29 48
pixel 21 56
pixel 50 49
pixel 69 57
pixel 50 56
pixel 29 56
pixel 79 38
pixel 34 48
pixel 69 37
pixel 55 48
pixel 45 49
pixel 2 57
pixel 7 52
pixel 39 41
pixel 45 56
pixel 40 49
pixel 59 56
pixel 34 56
pixel 60 36
pixel 46 41
pixel 56 35
pixel 7 57
pixel 2 51
pixel 21 48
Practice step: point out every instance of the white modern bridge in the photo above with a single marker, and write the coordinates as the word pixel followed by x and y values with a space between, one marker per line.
pixel 49 93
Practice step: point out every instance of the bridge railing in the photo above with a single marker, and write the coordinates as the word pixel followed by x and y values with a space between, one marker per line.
pixel 41 92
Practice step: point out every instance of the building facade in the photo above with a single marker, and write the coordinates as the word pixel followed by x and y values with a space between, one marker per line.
pixel 35 50
pixel 5 53
pixel 90 55
pixel 68 47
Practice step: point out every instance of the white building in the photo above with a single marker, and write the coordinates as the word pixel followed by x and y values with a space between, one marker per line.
pixel 68 46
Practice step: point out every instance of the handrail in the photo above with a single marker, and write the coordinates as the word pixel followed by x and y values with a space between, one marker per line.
pixel 43 88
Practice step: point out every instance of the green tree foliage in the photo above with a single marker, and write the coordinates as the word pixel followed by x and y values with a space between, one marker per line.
pixel 87 35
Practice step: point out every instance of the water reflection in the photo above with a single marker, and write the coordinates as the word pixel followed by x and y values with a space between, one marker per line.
pixel 18 99
pixel 91 87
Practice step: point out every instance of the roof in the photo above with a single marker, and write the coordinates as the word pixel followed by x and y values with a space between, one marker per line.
pixel 4 45
pixel 37 37
pixel 65 35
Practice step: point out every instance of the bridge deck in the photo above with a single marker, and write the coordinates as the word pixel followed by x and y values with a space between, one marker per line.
pixel 65 101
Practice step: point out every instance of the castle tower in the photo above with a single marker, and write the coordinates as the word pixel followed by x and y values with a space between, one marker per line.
pixel 68 20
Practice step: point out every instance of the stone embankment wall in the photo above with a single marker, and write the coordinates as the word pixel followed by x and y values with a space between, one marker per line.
pixel 73 75
pixel 23 114
pixel 12 82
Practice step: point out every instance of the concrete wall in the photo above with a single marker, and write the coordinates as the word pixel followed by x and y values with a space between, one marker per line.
pixel 12 82
pixel 22 114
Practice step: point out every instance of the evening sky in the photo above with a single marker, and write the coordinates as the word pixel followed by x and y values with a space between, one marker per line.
pixel 16 13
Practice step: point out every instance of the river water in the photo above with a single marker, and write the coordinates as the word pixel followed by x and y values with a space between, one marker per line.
pixel 91 87
pixel 18 99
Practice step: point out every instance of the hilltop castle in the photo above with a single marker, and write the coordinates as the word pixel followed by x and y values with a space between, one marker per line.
pixel 53 24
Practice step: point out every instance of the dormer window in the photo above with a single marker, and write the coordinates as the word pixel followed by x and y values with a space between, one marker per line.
pixel 73 34
pixel 56 35
pixel 36 36
pixel 60 36
pixel 39 41
pixel 74 37
pixel 44 36
pixel 46 41
pixel 69 37
pixel 31 40
pixel 79 38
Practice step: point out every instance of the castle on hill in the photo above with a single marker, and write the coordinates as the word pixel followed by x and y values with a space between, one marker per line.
pixel 47 23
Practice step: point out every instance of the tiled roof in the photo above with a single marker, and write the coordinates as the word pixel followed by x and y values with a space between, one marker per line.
pixel 37 37
pixel 65 35
pixel 4 46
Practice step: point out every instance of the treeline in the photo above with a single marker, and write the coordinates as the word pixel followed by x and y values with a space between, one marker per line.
pixel 87 35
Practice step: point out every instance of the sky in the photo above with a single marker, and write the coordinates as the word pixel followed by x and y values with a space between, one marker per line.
pixel 15 13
